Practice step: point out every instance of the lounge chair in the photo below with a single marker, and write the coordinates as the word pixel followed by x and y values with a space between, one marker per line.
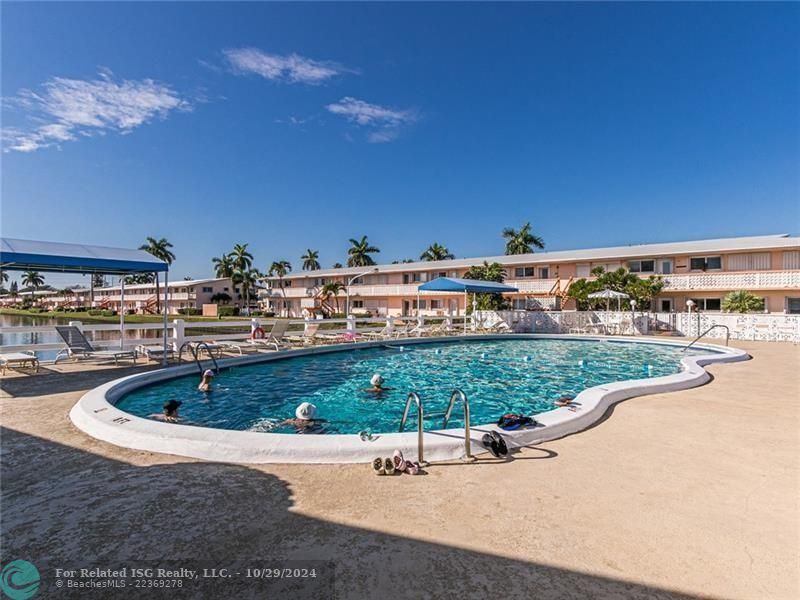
pixel 20 359
pixel 310 336
pixel 78 347
pixel 385 332
pixel 276 338
pixel 154 352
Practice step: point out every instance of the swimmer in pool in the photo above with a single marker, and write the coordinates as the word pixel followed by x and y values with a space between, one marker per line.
pixel 205 381
pixel 170 414
pixel 377 385
pixel 305 421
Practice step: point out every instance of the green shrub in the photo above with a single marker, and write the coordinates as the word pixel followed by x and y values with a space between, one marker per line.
pixel 228 311
pixel 268 313
pixel 190 311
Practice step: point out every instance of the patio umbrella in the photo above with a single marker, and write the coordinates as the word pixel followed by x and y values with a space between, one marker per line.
pixel 608 295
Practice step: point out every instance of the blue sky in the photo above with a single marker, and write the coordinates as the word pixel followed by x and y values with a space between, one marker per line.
pixel 297 126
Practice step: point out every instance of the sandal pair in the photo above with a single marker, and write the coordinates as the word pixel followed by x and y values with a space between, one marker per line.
pixel 383 466
pixel 495 443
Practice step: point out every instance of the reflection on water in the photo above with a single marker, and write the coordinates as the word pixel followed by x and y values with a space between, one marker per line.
pixel 51 337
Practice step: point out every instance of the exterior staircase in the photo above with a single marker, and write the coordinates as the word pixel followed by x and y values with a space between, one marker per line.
pixel 150 306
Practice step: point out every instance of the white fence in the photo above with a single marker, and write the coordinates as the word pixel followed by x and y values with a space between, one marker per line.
pixel 756 326
pixel 44 338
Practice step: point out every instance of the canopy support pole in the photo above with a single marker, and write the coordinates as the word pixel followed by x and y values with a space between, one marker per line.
pixel 466 300
pixel 166 310
pixel 122 313
pixel 418 313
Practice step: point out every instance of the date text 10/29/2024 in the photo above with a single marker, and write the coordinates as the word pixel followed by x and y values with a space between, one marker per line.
pixel 184 573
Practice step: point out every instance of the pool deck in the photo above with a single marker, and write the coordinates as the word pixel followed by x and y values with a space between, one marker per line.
pixel 687 494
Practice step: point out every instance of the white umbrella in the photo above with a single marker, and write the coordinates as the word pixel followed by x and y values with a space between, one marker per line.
pixel 608 295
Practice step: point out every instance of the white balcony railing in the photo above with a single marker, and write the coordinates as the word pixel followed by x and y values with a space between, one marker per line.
pixel 751 280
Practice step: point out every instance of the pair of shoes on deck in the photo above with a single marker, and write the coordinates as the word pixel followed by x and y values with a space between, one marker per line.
pixel 495 443
pixel 395 465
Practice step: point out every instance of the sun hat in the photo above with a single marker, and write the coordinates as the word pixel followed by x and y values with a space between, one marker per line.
pixel 208 373
pixel 376 379
pixel 305 411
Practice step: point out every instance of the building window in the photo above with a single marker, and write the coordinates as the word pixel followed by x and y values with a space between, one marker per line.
pixel 705 263
pixel 708 304
pixel 207 290
pixel 642 266
pixel 793 306
pixel 523 272
pixel 287 283
pixel 436 304
pixel 224 289
pixel 423 304
pixel 441 274
pixel 544 273
pixel 358 304
pixel 666 267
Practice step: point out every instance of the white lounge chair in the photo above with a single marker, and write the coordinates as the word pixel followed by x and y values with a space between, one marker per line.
pixel 276 338
pixel 20 359
pixel 78 347
pixel 310 336
pixel 153 352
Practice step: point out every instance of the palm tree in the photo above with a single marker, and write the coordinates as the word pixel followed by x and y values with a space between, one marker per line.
pixel 32 279
pixel 242 259
pixel 280 269
pixel 359 253
pixel 436 252
pixel 247 279
pixel 742 301
pixel 337 265
pixel 310 262
pixel 3 277
pixel 522 241
pixel 223 266
pixel 161 250
pixel 332 288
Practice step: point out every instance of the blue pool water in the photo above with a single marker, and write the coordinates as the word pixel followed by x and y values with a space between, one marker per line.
pixel 498 376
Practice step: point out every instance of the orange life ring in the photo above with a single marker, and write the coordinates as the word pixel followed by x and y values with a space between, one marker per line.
pixel 257 334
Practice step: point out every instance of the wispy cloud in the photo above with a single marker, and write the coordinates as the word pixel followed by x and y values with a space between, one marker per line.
pixel 67 109
pixel 384 122
pixel 292 68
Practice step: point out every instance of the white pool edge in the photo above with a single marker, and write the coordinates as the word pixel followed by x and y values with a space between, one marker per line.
pixel 96 415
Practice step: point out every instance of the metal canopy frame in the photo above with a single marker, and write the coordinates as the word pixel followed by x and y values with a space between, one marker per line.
pixel 58 257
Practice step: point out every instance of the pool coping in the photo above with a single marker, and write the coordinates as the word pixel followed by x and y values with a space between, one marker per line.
pixel 96 415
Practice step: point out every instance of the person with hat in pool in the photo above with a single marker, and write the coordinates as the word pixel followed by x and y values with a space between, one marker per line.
pixel 305 420
pixel 205 381
pixel 377 385
pixel 170 414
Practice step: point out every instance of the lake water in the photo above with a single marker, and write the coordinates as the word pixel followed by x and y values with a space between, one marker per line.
pixel 51 337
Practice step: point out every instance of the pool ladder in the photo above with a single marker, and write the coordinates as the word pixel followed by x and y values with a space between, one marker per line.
pixel 457 394
pixel 194 349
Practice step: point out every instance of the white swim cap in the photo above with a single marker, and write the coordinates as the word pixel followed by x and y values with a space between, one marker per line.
pixel 376 379
pixel 208 373
pixel 305 411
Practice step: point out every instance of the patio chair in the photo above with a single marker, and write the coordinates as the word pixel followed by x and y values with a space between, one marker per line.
pixel 276 338
pixel 153 352
pixel 385 332
pixel 78 347
pixel 20 359
pixel 311 336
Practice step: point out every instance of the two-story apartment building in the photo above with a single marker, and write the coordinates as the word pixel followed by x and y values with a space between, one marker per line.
pixel 703 271
pixel 141 298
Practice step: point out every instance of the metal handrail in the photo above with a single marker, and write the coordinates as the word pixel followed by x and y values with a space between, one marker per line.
pixel 194 348
pixel 420 422
pixel 457 393
pixel 727 335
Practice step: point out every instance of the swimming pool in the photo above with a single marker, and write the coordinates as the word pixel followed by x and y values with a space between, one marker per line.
pixel 498 376
pixel 237 422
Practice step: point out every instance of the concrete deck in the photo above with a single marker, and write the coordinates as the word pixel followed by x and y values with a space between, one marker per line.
pixel 689 494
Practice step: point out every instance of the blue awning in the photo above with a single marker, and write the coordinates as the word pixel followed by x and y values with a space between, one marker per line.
pixel 451 284
pixel 30 255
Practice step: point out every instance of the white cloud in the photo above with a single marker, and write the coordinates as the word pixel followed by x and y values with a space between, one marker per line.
pixel 385 122
pixel 292 67
pixel 68 108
